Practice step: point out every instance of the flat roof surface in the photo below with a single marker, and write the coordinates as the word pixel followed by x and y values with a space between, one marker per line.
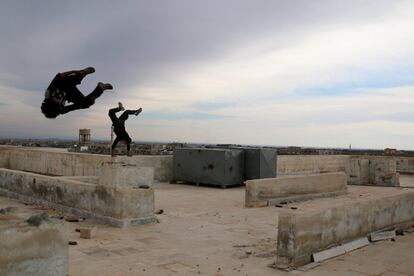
pixel 207 231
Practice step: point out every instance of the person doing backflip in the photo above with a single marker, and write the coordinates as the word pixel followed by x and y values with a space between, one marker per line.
pixel 119 126
pixel 63 89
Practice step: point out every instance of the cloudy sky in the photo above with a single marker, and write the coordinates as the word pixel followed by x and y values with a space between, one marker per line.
pixel 305 73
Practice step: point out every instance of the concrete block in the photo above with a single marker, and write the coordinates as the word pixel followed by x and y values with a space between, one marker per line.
pixel 383 235
pixel 27 250
pixel 339 250
pixel 405 164
pixel 87 232
pixel 304 231
pixel 260 191
pixel 310 164
pixel 357 170
pixel 111 205
pixel 373 171
pixel 328 254
pixel 122 175
pixel 383 172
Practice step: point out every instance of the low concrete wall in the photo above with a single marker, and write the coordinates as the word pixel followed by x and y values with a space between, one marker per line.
pixel 372 170
pixel 313 229
pixel 405 164
pixel 75 164
pixel 33 250
pixel 310 164
pixel 260 192
pixel 111 205
pixel 42 161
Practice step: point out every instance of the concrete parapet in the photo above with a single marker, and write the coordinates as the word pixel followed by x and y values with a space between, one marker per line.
pixel 119 174
pixel 111 205
pixel 260 192
pixel 373 171
pixel 311 229
pixel 27 250
pixel 405 164
pixel 53 163
pixel 310 164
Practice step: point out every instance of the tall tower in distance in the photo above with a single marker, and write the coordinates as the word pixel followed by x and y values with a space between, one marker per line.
pixel 84 136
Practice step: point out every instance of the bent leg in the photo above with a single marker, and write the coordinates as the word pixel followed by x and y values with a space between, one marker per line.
pixel 117 140
pixel 112 114
pixel 125 115
pixel 90 99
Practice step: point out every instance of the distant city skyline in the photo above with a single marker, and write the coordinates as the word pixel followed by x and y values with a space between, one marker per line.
pixel 289 73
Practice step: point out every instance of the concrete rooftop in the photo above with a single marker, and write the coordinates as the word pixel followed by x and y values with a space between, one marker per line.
pixel 207 231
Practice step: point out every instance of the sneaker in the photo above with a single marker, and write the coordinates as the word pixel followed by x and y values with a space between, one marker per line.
pixel 138 111
pixel 88 70
pixel 120 106
pixel 105 86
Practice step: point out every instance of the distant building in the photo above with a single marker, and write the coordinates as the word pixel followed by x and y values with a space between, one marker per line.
pixel 84 136
pixel 389 151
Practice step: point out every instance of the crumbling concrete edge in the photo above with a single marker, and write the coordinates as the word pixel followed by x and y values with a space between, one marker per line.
pixel 80 213
pixel 370 185
pixel 298 198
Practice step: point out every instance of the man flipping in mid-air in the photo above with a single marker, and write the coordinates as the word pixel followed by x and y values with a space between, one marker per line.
pixel 119 126
pixel 63 88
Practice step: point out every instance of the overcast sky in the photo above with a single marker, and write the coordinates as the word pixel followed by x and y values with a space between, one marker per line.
pixel 303 73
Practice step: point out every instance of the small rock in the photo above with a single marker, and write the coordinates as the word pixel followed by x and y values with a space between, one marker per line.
pixel 143 186
pixel 399 232
pixel 293 208
pixel 248 252
pixel 72 219
pixel 279 205
pixel 72 242
pixel 7 210
pixel 77 230
pixel 159 211
pixel 283 202
pixel 37 219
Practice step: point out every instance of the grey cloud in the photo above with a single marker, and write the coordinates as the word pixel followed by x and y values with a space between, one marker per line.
pixel 131 42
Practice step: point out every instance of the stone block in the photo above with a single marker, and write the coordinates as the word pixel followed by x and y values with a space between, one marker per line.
pixel 383 172
pixel 123 175
pixel 106 204
pixel 373 171
pixel 305 231
pixel 383 235
pixel 261 191
pixel 357 170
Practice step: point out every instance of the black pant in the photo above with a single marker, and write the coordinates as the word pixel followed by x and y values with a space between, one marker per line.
pixel 119 126
pixel 68 84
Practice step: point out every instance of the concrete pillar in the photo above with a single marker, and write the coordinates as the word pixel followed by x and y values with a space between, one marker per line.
pixel 120 174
